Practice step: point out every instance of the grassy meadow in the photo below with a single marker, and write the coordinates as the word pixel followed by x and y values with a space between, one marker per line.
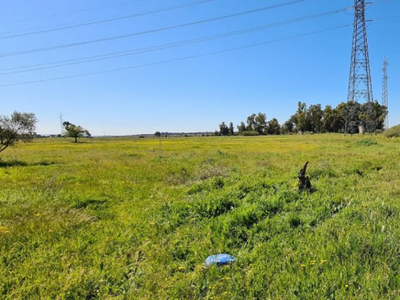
pixel 131 218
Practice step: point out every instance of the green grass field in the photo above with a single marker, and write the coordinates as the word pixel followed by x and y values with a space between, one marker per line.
pixel 136 218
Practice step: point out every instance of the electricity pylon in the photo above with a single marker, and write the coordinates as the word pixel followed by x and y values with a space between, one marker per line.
pixel 385 91
pixel 360 86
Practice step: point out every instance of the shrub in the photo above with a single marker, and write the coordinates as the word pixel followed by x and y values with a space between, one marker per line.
pixel 367 142
pixel 393 132
pixel 250 133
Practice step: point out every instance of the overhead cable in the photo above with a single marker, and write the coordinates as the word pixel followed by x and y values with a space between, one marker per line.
pixel 70 12
pixel 176 59
pixel 147 31
pixel 39 67
pixel 104 20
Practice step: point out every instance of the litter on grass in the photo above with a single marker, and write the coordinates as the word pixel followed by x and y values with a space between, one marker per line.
pixel 219 259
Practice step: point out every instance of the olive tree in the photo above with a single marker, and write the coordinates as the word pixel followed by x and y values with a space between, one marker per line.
pixel 19 126
pixel 75 131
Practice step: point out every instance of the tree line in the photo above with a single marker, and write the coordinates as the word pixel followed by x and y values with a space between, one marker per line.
pixel 347 117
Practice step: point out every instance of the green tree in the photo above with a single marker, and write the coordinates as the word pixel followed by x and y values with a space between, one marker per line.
pixel 241 128
pixel 381 112
pixel 332 121
pixel 300 118
pixel 273 126
pixel 288 126
pixel 231 130
pixel 372 114
pixel 350 112
pixel 157 134
pixel 251 122
pixel 340 116
pixel 260 124
pixel 20 126
pixel 75 131
pixel 223 129
pixel 328 120
pixel 315 116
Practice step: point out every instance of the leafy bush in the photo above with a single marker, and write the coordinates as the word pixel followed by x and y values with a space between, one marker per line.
pixel 393 132
pixel 250 133
pixel 367 142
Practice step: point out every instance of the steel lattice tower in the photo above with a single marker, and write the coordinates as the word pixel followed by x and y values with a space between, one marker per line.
pixel 61 125
pixel 360 86
pixel 385 91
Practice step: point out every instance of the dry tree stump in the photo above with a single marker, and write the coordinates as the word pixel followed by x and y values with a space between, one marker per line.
pixel 304 181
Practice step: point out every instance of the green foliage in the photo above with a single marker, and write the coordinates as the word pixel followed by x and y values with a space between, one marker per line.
pixel 231 130
pixel 241 128
pixel 250 133
pixel 393 131
pixel 273 127
pixel 223 129
pixel 121 221
pixel 346 117
pixel 260 123
pixel 367 142
pixel 75 131
pixel 20 126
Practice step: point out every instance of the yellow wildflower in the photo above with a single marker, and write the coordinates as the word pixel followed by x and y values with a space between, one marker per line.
pixel 180 268
pixel 323 261
pixel 4 229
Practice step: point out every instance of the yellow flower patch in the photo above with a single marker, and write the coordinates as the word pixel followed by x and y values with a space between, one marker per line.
pixel 4 230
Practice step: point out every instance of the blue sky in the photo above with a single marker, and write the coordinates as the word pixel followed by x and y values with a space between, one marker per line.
pixel 193 86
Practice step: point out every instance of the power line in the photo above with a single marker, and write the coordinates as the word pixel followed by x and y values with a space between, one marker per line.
pixel 148 31
pixel 70 12
pixel 38 67
pixel 387 18
pixel 105 20
pixel 176 59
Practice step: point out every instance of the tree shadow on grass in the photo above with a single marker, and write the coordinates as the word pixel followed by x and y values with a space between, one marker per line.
pixel 19 163
pixel 80 142
pixel 92 203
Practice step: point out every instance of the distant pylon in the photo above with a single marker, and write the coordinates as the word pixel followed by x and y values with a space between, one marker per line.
pixel 61 125
pixel 385 91
pixel 360 86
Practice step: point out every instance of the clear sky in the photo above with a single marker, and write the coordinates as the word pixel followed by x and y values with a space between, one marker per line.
pixel 128 67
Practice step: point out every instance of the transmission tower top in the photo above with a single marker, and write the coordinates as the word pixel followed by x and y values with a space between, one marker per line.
pixel 360 86
pixel 385 91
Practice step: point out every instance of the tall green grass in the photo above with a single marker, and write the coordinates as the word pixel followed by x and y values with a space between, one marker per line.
pixel 132 218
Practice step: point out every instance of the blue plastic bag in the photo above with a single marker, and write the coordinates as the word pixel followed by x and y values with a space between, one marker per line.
pixel 219 259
